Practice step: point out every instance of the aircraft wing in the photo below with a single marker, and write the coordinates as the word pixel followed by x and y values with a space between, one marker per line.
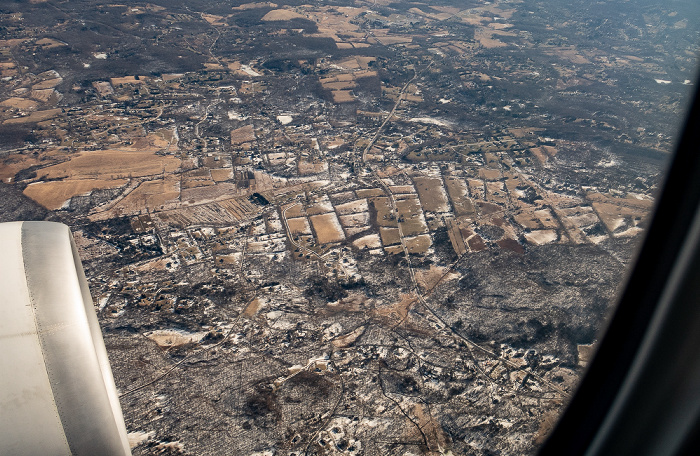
pixel 57 393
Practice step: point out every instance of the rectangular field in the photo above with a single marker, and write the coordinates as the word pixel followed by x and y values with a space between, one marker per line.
pixel 320 206
pixel 385 217
pixel 221 174
pixel 432 194
pixel 390 236
pixel 458 191
pixel 299 225
pixel 216 213
pixel 327 228
pixel 411 216
pixel 418 244
pixel 360 219
pixel 528 220
pixel 402 189
pixel 369 192
pixel 496 192
pixel 455 236
pixel 547 219
pixel 342 96
pixel 352 207
pixel 476 188
pixel 293 210
pixel 151 195
pixel 489 174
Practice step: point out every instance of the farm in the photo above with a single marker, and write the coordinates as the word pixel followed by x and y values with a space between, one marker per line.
pixel 112 164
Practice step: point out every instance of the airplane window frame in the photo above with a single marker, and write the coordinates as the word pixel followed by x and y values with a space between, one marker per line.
pixel 636 396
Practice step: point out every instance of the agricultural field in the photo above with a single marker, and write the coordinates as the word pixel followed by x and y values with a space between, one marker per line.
pixel 418 244
pixel 112 164
pixel 299 225
pixel 458 192
pixel 146 196
pixel 327 228
pixel 389 236
pixel 370 241
pixel 541 237
pixel 411 217
pixel 355 223
pixel 352 207
pixel 24 104
pixel 54 194
pixel 34 117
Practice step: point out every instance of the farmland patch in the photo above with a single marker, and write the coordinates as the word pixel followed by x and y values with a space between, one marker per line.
pixel 299 225
pixel 111 164
pixel 53 194
pixel 541 237
pixel 327 228
pixel 432 194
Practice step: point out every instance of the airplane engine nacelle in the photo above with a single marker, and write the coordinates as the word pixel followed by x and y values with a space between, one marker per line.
pixel 57 393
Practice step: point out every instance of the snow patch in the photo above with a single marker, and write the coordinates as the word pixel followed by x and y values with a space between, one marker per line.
pixel 174 337
pixel 541 237
pixel 138 437
pixel 233 115
pixel 284 119
pixel 249 71
pixel 430 120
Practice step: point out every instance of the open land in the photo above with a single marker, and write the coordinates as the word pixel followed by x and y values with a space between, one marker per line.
pixel 359 228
